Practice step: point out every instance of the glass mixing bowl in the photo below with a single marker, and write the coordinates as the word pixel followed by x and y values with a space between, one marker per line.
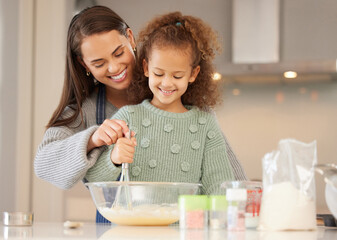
pixel 140 203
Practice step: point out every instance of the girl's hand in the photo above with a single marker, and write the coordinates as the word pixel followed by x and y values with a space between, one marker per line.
pixel 107 133
pixel 123 150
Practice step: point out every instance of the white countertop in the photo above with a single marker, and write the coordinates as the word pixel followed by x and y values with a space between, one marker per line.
pixel 103 231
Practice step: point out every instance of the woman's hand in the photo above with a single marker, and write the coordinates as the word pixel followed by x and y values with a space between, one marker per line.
pixel 123 150
pixel 108 133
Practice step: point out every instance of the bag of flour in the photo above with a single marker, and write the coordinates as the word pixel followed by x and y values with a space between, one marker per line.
pixel 288 200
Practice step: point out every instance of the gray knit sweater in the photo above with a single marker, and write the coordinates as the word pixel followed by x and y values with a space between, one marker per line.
pixel 62 158
pixel 172 147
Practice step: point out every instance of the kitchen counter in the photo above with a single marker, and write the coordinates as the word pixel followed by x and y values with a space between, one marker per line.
pixel 104 231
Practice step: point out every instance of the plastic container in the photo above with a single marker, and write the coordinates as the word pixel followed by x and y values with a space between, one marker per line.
pixel 254 195
pixel 253 202
pixel 236 198
pixel 218 212
pixel 17 218
pixel 193 211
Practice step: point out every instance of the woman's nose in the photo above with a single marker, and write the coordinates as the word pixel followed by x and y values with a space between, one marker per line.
pixel 113 68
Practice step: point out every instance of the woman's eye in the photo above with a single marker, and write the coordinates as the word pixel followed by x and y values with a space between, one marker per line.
pixel 119 54
pixel 100 65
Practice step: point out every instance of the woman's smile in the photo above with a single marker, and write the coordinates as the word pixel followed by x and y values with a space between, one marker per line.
pixel 119 77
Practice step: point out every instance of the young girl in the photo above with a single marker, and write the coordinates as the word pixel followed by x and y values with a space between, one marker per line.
pixel 178 140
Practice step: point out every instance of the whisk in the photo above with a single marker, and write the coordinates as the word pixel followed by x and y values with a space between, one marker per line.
pixel 124 186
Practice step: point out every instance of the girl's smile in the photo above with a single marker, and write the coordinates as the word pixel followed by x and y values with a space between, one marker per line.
pixel 167 92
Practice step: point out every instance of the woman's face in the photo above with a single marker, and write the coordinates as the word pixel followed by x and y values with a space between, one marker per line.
pixel 109 57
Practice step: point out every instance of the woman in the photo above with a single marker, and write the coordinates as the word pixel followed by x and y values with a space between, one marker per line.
pixel 99 64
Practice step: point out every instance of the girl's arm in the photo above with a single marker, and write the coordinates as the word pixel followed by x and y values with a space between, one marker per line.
pixel 216 170
pixel 107 167
pixel 238 170
pixel 216 167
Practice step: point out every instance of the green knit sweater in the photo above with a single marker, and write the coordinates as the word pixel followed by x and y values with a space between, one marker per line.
pixel 171 147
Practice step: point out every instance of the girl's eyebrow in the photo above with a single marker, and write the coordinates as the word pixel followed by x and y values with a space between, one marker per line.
pixel 100 59
pixel 157 68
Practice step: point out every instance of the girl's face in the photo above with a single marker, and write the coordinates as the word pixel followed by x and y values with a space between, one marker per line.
pixel 169 71
pixel 109 57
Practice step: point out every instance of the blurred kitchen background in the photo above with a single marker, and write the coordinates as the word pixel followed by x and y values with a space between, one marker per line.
pixel 262 39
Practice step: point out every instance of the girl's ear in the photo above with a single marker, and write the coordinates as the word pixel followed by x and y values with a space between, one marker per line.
pixel 131 38
pixel 194 74
pixel 145 68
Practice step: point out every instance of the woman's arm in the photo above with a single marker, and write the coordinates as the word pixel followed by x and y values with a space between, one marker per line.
pixel 66 153
pixel 62 157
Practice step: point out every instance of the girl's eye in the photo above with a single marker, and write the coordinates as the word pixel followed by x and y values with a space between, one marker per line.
pixel 177 77
pixel 158 75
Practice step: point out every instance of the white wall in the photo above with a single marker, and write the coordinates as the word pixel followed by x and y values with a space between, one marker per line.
pixel 8 101
pixel 51 25
pixel 307 29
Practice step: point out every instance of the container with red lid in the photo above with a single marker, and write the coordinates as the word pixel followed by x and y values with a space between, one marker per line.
pixel 253 201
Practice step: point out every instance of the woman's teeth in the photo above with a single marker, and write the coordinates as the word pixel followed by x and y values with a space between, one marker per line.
pixel 119 76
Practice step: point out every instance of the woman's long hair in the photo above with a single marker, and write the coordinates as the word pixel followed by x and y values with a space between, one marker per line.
pixel 77 85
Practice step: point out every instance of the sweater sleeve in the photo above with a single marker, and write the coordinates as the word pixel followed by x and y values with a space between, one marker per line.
pixel 238 171
pixel 62 157
pixel 104 170
pixel 216 167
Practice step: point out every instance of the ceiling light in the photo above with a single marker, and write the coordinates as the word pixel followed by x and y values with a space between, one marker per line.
pixel 290 74
pixel 216 76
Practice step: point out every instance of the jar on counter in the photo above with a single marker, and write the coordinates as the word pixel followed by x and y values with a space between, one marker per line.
pixel 193 211
pixel 236 198
pixel 218 212
pixel 254 195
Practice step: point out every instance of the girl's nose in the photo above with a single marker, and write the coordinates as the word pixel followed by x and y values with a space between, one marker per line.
pixel 166 81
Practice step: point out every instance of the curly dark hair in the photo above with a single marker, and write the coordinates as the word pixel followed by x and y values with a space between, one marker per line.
pixel 181 32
